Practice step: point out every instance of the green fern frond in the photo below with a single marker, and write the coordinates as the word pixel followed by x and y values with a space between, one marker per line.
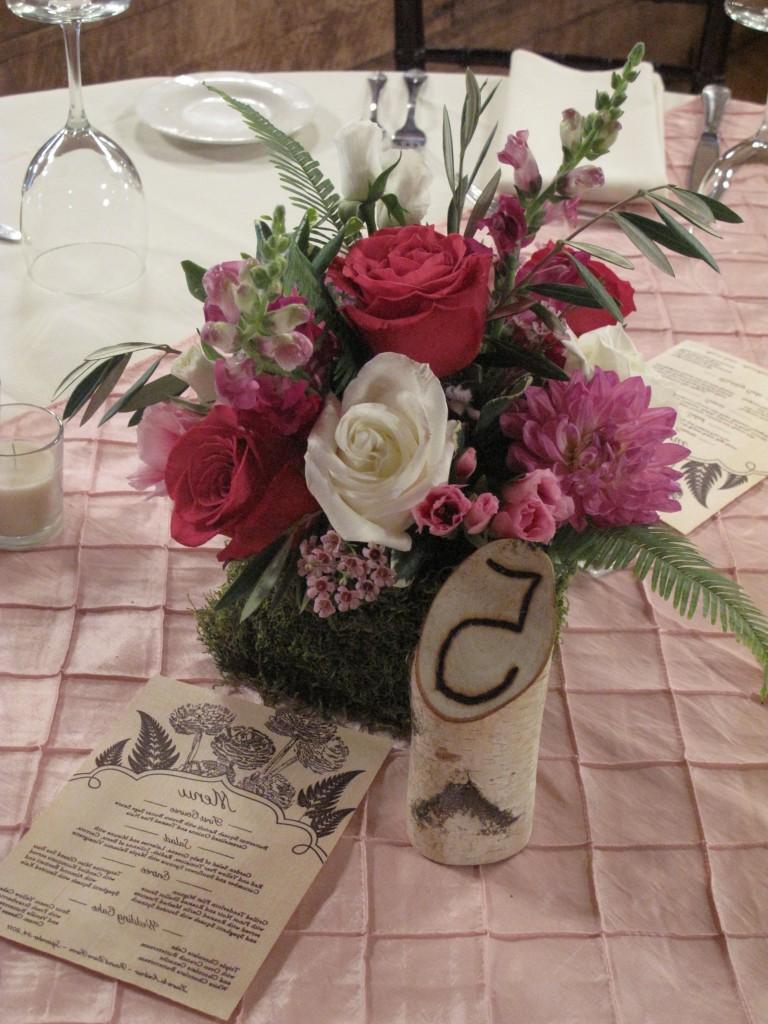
pixel 678 572
pixel 299 172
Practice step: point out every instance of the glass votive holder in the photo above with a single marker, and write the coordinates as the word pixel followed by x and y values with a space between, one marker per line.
pixel 31 487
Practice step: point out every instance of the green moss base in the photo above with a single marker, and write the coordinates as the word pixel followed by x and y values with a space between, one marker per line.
pixel 353 666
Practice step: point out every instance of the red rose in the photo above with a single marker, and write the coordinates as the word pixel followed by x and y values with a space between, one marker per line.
pixel 232 474
pixel 560 270
pixel 414 291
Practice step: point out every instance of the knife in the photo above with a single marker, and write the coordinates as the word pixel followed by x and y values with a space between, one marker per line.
pixel 714 98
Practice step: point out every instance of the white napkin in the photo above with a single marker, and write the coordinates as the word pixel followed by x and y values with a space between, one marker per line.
pixel 539 90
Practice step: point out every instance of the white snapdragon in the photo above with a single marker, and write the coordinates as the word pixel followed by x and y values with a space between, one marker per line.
pixel 197 370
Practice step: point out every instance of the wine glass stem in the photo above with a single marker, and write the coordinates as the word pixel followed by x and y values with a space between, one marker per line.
pixel 76 119
pixel 762 131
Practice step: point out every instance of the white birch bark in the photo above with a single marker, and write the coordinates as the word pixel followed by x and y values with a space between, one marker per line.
pixel 478 687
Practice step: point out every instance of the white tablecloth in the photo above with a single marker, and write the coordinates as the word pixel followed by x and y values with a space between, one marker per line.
pixel 201 203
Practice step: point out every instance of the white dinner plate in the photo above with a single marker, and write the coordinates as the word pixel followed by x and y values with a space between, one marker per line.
pixel 183 108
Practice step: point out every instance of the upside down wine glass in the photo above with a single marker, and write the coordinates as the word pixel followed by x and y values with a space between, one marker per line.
pixel 754 150
pixel 83 221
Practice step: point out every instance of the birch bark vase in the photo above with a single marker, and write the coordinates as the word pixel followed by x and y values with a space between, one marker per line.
pixel 478 687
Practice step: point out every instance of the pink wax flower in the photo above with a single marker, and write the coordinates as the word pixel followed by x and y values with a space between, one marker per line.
pixel 465 466
pixel 507 226
pixel 532 508
pixel 220 284
pixel 484 508
pixel 338 578
pixel 160 428
pixel 442 510
pixel 604 444
pixel 581 180
pixel 323 606
pixel 289 405
pixel 517 154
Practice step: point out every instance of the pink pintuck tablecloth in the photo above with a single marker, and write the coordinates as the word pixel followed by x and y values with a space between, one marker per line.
pixel 643 896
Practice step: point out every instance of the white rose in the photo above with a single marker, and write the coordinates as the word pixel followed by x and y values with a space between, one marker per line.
pixel 359 148
pixel 611 348
pixel 197 370
pixel 374 455
pixel 410 182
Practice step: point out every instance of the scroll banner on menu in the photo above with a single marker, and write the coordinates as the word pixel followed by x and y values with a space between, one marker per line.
pixel 174 857
pixel 722 416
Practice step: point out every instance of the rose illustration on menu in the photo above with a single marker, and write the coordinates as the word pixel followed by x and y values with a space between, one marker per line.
pixel 248 758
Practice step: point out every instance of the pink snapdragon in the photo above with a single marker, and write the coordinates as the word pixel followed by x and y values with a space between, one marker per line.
pixel 289 350
pixel 606 446
pixel 223 285
pixel 442 510
pixel 566 211
pixel 160 428
pixel 220 284
pixel 288 404
pixel 517 154
pixel 571 128
pixel 575 183
pixel 532 508
pixel 507 226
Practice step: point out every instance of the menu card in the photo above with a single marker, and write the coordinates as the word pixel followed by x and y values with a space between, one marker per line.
pixel 175 855
pixel 722 406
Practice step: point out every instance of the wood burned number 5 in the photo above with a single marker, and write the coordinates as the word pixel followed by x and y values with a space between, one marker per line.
pixel 513 625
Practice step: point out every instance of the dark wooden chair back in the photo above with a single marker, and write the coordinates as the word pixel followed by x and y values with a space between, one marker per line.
pixel 707 63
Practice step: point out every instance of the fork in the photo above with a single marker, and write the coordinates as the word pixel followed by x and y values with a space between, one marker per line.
pixel 376 81
pixel 409 136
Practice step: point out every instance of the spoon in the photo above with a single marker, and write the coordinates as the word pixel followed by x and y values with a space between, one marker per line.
pixel 9 234
pixel 751 151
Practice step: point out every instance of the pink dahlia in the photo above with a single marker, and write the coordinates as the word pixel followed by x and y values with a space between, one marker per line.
pixel 603 443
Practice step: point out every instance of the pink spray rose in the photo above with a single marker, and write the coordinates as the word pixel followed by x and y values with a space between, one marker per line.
pixel 484 508
pixel 465 466
pixel 532 508
pixel 160 428
pixel 517 154
pixel 442 510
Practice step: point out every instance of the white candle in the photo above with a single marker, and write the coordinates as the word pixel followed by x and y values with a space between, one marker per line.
pixel 30 489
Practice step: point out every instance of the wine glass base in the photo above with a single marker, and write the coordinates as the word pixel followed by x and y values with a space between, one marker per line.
pixel 86 268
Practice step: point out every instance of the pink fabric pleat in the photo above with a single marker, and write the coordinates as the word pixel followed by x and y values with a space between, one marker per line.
pixel 643 896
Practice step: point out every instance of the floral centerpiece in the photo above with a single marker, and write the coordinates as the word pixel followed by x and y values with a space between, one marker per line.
pixel 371 398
